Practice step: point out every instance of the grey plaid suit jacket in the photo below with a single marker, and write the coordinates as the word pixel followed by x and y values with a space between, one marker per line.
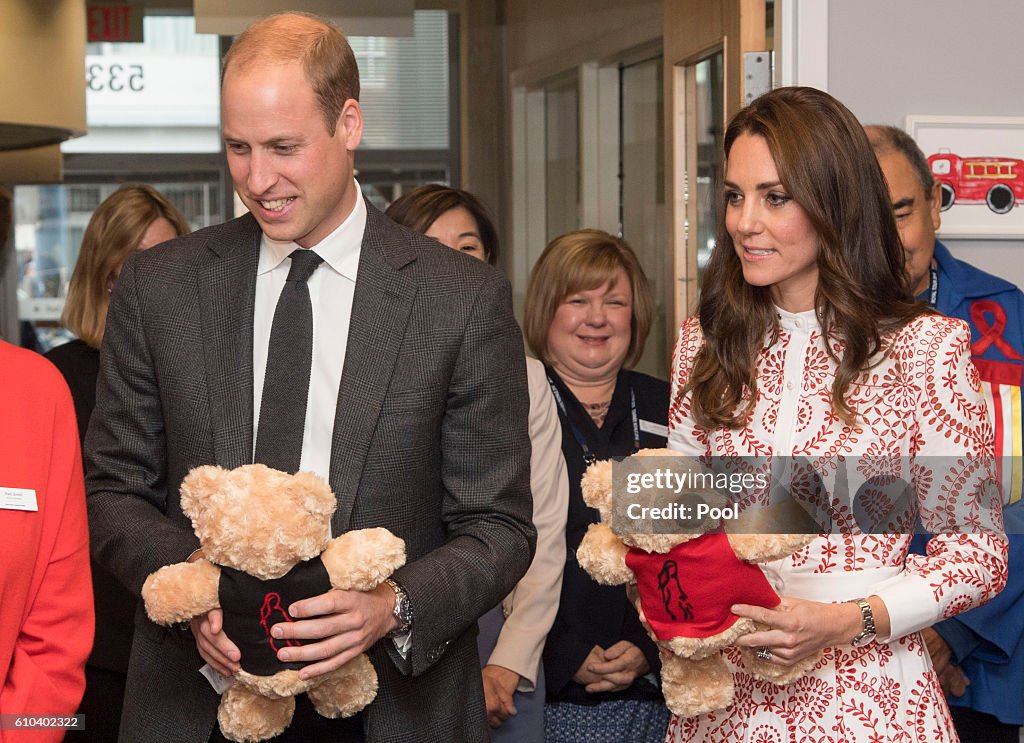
pixel 430 441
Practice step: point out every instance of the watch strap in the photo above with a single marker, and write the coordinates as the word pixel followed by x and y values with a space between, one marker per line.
pixel 868 631
pixel 402 611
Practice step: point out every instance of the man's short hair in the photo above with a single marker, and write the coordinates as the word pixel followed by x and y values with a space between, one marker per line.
pixel 321 48
pixel 886 139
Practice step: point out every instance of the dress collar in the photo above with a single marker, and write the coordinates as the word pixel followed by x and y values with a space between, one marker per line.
pixel 797 321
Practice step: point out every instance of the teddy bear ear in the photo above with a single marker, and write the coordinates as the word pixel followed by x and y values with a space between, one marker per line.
pixel 198 484
pixel 597 486
pixel 656 453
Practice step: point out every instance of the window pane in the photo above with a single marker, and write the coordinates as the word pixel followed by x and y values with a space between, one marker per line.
pixel 404 86
pixel 49 222
pixel 710 114
pixel 643 194
pixel 161 95
pixel 561 114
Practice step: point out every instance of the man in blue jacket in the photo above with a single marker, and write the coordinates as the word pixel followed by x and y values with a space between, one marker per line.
pixel 978 655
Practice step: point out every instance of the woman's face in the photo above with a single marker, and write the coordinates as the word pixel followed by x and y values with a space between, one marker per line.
pixel 772 235
pixel 160 230
pixel 457 229
pixel 590 332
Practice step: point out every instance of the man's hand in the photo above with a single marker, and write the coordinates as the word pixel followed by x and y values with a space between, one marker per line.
pixel 499 685
pixel 938 649
pixel 951 677
pixel 583 674
pixel 614 669
pixel 344 624
pixel 953 680
pixel 213 645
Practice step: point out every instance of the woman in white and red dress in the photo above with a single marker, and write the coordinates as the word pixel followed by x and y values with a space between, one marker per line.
pixel 808 344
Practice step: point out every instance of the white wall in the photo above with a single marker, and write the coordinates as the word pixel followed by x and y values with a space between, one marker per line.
pixel 890 58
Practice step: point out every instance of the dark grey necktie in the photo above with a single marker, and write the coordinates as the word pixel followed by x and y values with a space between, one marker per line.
pixel 286 384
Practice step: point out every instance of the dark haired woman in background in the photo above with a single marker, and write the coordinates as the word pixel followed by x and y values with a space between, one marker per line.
pixel 511 635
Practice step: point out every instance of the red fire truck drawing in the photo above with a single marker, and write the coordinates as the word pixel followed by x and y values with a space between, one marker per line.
pixel 997 182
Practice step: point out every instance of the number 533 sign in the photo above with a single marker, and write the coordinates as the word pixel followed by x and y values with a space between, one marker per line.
pixel 152 90
pixel 115 77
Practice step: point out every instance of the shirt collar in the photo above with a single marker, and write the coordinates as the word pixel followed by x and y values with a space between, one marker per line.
pixel 964 281
pixel 340 249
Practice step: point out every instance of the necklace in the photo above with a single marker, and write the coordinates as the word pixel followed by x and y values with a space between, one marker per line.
pixel 597 410
pixel 589 456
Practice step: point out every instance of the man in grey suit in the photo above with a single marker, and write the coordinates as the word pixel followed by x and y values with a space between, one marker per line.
pixel 416 414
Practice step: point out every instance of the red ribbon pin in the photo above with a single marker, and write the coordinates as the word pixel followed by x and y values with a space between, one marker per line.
pixel 991 333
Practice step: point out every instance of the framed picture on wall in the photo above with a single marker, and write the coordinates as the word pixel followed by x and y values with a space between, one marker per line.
pixel 979 162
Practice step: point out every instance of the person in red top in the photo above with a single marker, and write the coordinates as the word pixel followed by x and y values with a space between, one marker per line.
pixel 46 610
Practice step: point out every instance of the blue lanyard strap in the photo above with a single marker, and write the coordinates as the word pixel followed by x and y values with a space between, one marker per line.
pixel 636 421
pixel 588 456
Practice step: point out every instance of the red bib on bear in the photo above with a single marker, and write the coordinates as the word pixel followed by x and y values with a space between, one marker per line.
pixel 688 592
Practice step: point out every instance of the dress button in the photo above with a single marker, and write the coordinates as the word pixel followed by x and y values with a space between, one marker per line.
pixel 789 385
pixel 797 323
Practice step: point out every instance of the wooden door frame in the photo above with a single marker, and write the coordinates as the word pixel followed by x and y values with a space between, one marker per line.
pixel 693 29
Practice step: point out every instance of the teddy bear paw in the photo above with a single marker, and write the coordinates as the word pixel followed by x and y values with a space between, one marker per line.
pixel 247 717
pixel 346 691
pixel 695 687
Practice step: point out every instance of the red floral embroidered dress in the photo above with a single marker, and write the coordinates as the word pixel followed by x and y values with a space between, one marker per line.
pixel 922 403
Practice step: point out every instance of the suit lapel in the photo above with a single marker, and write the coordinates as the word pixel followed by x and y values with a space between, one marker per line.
pixel 227 290
pixel 380 312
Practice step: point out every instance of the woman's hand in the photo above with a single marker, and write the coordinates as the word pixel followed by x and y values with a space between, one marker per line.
pixel 500 686
pixel 614 669
pixel 797 628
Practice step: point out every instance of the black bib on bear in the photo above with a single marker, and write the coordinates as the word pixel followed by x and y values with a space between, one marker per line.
pixel 252 606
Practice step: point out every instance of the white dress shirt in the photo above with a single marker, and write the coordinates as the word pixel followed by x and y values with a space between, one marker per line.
pixel 331 290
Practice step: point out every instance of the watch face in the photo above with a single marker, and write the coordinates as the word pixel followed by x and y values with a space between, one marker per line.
pixel 405 611
pixel 861 640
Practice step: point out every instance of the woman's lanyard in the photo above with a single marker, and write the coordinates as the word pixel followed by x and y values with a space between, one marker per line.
pixel 588 456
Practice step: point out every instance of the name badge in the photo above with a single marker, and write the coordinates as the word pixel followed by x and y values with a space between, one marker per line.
pixel 655 428
pixel 18 499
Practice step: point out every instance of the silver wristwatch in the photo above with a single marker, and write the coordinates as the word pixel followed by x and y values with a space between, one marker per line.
pixel 402 611
pixel 867 634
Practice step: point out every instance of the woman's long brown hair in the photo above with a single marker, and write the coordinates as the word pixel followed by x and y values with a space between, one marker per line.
pixel 826 165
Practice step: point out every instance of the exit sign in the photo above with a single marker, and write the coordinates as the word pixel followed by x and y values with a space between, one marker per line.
pixel 114 21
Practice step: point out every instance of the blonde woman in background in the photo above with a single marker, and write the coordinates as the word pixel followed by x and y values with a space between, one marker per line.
pixel 134 217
